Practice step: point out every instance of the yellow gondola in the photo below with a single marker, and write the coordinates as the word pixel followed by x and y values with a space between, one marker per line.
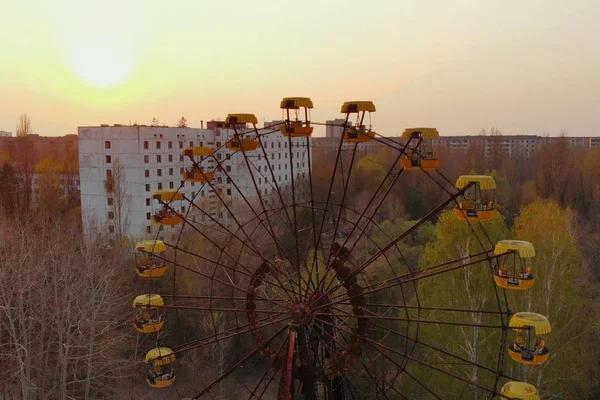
pixel 148 317
pixel 239 124
pixel 160 367
pixel 146 265
pixel 296 127
pixel 195 173
pixel 478 203
pixel 167 215
pixel 358 132
pixel 514 264
pixel 520 391
pixel 419 150
pixel 537 327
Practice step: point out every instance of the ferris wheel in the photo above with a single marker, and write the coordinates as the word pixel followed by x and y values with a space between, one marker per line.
pixel 296 289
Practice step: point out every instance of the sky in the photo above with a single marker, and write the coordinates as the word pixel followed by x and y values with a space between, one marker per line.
pixel 459 65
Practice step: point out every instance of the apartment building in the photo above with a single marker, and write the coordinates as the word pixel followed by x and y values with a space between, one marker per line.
pixel 151 159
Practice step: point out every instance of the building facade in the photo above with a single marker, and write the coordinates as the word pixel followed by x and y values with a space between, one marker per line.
pixel 146 159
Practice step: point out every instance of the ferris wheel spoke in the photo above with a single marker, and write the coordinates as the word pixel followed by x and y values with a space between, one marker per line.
pixel 399 281
pixel 374 257
pixel 268 370
pixel 245 272
pixel 412 358
pixel 212 278
pixel 241 362
pixel 374 197
pixel 420 342
pixel 220 336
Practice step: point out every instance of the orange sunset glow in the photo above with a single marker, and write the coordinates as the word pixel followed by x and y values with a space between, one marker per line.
pixel 525 67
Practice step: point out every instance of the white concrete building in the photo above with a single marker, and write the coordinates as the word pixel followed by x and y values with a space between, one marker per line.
pixel 152 160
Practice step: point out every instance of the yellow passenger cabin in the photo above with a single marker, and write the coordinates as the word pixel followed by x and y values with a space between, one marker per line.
pixel 147 265
pixel 478 203
pixel 160 372
pixel 296 124
pixel 520 391
pixel 195 171
pixel 513 268
pixel 358 131
pixel 148 317
pixel 419 154
pixel 529 347
pixel 169 201
pixel 244 139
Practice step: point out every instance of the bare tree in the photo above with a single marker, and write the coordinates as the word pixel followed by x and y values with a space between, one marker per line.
pixel 117 189
pixel 23 131
pixel 182 122
pixel 154 121
pixel 63 313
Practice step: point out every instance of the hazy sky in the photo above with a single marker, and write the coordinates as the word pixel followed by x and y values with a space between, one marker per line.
pixel 523 66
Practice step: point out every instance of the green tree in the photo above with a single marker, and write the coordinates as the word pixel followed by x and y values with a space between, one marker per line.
pixel 182 122
pixel 562 293
pixel 472 288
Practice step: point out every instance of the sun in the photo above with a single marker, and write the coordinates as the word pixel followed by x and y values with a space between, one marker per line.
pixel 101 62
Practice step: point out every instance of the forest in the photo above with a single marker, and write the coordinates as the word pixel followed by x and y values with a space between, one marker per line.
pixel 65 305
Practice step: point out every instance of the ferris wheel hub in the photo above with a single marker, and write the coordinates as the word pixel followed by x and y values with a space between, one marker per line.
pixel 302 314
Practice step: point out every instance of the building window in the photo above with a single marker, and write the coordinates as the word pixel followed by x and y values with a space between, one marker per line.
pixel 272 145
pixel 218 156
pixel 108 159
pixel 219 179
pixel 170 144
pixel 147 187
pixel 148 229
pixel 148 216
pixel 147 173
pixel 279 145
pixel 146 145
pixel 181 145
pixel 147 202
pixel 229 192
pixel 158 158
pixel 279 156
pixel 193 194
pixel 111 229
pixel 146 159
pixel 259 180
pixel 107 144
pixel 111 215
pixel 171 185
pixel 170 157
pixel 158 145
pixel 272 156
pixel 159 185
pixel 170 171
pixel 109 201
pixel 191 143
pixel 181 170
pixel 228 156
pixel 228 168
pixel 181 158
pixel 159 172
pixel 182 209
pixel 182 183
pixel 108 174
pixel 228 180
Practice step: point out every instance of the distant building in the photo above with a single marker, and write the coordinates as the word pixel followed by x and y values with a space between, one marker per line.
pixel 334 128
pixel 152 160
pixel 5 134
